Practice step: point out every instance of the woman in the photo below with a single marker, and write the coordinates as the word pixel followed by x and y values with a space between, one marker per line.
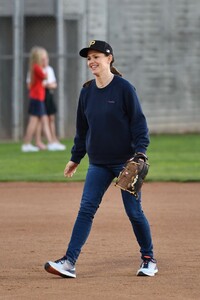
pixel 111 128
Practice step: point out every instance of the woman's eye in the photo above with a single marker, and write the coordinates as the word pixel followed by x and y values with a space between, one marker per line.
pixel 94 57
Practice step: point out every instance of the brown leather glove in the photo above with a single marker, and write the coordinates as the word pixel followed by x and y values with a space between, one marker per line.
pixel 131 178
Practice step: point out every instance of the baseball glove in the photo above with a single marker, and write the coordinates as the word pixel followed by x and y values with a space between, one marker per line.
pixel 132 176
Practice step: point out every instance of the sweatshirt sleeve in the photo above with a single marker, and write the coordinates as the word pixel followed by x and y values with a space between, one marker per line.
pixel 79 149
pixel 138 124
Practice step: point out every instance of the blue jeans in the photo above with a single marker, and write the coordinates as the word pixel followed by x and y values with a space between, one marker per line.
pixel 98 179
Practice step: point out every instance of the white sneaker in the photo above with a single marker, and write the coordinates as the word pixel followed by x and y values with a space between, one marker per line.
pixel 52 147
pixel 61 267
pixel 148 267
pixel 29 148
pixel 60 146
pixel 55 147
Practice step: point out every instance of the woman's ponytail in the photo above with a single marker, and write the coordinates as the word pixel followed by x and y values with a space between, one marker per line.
pixel 115 71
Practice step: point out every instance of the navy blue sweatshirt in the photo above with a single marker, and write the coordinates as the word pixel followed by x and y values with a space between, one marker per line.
pixel 110 125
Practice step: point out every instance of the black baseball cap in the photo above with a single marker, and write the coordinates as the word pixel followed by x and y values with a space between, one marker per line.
pixel 100 46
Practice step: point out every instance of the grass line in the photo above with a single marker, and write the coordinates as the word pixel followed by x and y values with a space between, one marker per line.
pixel 171 157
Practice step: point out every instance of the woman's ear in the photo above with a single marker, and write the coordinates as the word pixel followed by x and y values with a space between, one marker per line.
pixel 110 58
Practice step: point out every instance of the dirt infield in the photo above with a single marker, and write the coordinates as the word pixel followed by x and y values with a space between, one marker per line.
pixel 36 220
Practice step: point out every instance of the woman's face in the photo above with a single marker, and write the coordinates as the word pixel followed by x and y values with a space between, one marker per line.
pixel 98 62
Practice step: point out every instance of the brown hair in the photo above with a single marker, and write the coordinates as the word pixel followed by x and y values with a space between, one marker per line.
pixel 115 71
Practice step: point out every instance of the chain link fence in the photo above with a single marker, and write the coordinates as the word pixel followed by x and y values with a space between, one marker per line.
pixel 38 31
pixel 19 32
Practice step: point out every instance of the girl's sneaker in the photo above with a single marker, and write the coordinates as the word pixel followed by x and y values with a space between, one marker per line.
pixel 29 148
pixel 56 147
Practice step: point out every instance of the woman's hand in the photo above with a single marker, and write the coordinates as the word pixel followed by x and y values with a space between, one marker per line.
pixel 70 169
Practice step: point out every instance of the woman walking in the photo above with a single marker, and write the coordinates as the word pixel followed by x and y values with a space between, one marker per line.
pixel 111 128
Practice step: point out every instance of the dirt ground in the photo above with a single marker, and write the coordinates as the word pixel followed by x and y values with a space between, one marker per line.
pixel 36 220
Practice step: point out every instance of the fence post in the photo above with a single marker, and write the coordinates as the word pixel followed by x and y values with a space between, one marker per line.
pixel 62 101
pixel 17 70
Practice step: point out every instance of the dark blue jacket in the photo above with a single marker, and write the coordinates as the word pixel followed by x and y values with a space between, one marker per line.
pixel 110 124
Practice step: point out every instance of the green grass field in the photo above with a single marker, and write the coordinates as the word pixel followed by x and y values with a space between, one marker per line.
pixel 171 158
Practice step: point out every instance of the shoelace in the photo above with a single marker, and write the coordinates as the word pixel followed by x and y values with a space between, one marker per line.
pixel 145 263
pixel 61 260
pixel 147 260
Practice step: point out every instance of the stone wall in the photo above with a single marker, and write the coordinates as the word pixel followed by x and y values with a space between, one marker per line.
pixel 157 47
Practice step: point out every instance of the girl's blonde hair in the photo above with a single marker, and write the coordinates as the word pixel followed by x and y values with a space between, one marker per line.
pixel 36 55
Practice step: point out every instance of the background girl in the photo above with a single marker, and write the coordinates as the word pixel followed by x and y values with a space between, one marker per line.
pixel 37 109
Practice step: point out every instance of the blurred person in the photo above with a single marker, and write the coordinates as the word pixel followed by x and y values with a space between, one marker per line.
pixel 111 128
pixel 37 109
pixel 50 85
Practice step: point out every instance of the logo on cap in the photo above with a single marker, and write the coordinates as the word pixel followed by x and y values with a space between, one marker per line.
pixel 107 50
pixel 91 43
